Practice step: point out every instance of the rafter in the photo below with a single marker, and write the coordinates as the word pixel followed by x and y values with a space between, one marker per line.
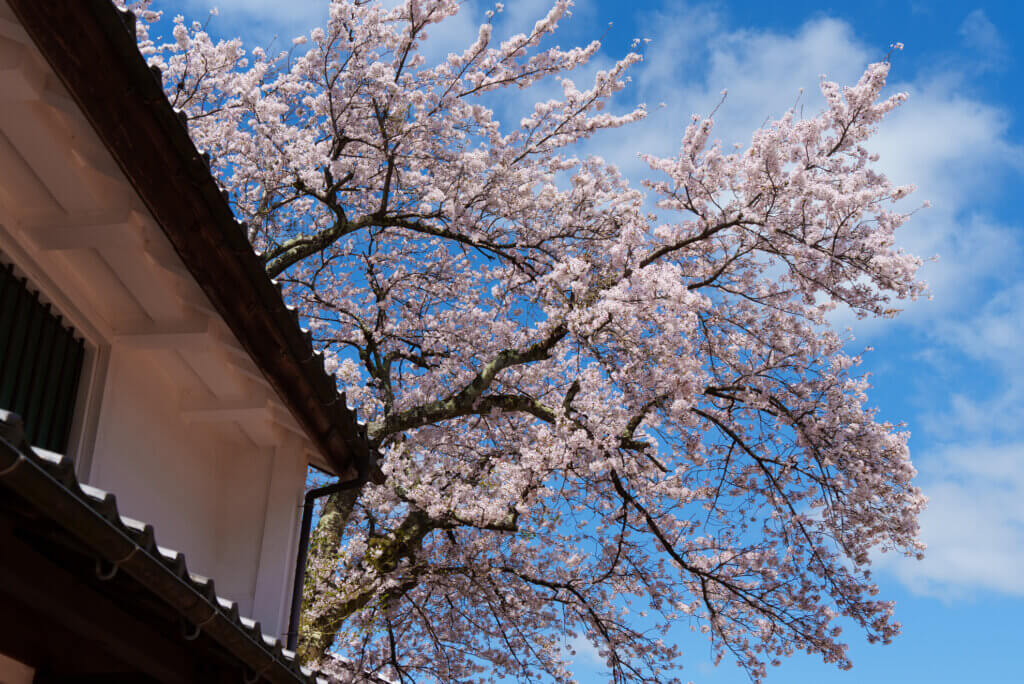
pixel 116 228
pixel 188 335
pixel 236 410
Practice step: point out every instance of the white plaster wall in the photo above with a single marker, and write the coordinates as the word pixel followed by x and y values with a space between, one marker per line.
pixel 229 505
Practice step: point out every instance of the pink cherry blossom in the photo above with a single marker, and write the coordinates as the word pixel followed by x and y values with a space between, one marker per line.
pixel 595 419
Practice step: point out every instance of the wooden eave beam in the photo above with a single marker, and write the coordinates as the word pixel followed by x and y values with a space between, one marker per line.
pixel 184 336
pixel 70 232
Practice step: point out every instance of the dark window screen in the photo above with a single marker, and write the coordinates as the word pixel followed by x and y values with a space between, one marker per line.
pixel 40 363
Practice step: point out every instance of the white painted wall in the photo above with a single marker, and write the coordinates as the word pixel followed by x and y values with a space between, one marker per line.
pixel 230 505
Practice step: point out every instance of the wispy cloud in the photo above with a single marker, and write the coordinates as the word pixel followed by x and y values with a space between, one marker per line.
pixel 974 525
pixel 995 332
pixel 957 150
pixel 973 470
pixel 693 56
pixel 584 653
pixel 953 147
pixel 982 36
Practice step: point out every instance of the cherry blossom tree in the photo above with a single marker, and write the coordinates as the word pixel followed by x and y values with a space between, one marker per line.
pixel 602 410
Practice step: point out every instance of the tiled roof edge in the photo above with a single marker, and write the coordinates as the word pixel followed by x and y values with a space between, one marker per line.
pixel 48 482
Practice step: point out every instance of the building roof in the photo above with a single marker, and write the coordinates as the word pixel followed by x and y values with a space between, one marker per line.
pixel 147 577
pixel 92 48
pixel 47 485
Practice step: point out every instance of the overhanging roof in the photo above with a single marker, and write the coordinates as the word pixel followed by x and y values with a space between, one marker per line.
pixel 83 579
pixel 91 47
pixel 137 600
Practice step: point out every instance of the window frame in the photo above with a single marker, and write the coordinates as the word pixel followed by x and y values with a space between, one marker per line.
pixel 96 358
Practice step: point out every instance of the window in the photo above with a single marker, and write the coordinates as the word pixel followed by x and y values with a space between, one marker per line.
pixel 40 362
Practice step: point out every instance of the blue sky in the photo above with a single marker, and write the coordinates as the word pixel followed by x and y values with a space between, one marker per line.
pixel 950 367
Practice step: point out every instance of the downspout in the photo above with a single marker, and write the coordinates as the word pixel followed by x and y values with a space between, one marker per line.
pixel 300 562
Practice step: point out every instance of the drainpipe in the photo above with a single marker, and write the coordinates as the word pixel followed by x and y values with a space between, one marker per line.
pixel 300 563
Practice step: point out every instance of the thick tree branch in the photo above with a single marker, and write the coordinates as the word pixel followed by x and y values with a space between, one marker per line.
pixel 464 402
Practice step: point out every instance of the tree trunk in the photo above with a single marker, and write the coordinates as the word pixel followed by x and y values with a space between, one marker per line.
pixel 316 634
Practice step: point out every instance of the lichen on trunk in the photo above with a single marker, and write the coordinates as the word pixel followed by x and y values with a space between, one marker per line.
pixel 317 631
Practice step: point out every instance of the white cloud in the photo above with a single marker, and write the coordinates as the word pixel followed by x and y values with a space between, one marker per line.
pixel 974 525
pixel 980 34
pixel 974 476
pixel 956 149
pixel 988 341
pixel 584 652
pixel 457 33
pixel 953 147
pixel 995 332
pixel 693 57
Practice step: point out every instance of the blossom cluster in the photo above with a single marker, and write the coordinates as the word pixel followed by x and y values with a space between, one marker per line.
pixel 594 420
